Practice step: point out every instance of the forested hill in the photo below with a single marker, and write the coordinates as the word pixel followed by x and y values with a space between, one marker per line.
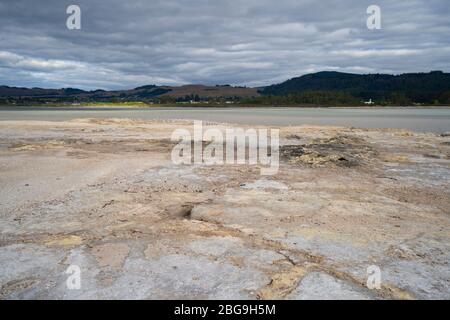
pixel 322 88
pixel 417 87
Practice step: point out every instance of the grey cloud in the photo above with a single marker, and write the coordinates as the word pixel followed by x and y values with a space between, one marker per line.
pixel 244 42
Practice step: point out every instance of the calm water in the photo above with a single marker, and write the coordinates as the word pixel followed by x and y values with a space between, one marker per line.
pixel 418 119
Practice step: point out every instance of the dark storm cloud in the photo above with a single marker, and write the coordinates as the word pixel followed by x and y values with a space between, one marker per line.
pixel 253 42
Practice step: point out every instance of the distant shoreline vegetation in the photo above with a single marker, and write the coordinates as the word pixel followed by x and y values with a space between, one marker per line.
pixel 317 89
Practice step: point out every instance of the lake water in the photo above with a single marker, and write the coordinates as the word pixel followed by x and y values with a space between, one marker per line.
pixel 418 119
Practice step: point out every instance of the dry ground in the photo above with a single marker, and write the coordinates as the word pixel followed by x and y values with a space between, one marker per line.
pixel 105 195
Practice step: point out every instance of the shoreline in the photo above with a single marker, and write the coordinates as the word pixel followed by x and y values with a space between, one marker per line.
pixel 206 107
pixel 429 119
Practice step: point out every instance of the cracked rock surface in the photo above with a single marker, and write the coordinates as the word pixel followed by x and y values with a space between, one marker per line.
pixel 104 195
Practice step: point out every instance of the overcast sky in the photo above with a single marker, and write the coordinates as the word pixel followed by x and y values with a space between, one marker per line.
pixel 124 44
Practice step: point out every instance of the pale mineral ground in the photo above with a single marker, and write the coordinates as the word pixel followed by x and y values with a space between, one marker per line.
pixel 105 195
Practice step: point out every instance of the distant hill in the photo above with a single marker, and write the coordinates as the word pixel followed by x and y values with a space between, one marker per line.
pixel 322 88
pixel 35 92
pixel 139 93
pixel 212 91
pixel 419 87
